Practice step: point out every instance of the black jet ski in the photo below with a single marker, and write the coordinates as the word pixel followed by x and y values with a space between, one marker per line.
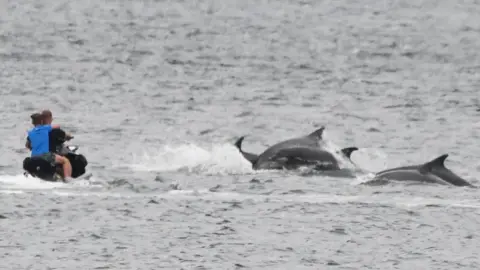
pixel 42 169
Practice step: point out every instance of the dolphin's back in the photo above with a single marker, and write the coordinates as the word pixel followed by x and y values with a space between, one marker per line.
pixel 273 151
pixel 300 142
pixel 302 156
pixel 433 171
pixel 405 174
pixel 411 167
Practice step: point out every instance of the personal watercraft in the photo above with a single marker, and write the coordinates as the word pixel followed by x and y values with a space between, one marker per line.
pixel 40 168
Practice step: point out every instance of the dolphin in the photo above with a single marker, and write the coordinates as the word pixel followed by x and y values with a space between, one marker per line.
pixel 433 171
pixel 292 158
pixel 311 140
pixel 293 153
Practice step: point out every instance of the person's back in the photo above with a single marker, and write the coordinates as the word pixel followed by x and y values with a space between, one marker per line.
pixel 39 139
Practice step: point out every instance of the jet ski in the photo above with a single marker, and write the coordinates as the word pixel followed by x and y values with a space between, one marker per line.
pixel 40 168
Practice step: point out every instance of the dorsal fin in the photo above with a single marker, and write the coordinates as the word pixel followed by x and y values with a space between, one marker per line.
pixel 317 134
pixel 437 162
pixel 348 151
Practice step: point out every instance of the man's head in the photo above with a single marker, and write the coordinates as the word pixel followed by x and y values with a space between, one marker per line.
pixel 47 117
pixel 37 119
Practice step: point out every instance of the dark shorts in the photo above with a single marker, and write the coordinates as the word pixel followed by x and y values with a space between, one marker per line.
pixel 49 157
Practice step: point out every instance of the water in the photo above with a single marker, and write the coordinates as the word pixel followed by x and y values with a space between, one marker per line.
pixel 156 92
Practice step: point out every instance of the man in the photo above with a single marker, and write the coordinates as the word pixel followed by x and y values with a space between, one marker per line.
pixel 57 136
pixel 38 142
pixel 48 118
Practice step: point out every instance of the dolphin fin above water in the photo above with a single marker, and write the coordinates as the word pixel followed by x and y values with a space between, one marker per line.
pixel 317 134
pixel 438 162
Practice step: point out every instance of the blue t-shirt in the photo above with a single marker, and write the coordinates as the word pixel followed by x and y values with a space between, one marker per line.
pixel 38 137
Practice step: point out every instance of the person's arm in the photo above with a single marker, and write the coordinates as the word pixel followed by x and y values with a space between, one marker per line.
pixel 28 145
pixel 67 137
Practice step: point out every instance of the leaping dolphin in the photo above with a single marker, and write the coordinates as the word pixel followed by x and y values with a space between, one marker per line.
pixel 293 153
pixel 433 171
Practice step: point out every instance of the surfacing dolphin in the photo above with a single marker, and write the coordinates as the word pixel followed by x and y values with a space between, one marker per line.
pixel 294 153
pixel 433 171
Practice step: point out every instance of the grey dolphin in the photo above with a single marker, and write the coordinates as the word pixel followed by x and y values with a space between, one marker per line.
pixel 311 140
pixel 293 153
pixel 293 158
pixel 266 158
pixel 433 171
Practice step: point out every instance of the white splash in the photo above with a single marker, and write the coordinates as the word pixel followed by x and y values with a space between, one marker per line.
pixel 215 159
pixel 22 182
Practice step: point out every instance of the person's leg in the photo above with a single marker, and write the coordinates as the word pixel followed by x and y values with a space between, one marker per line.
pixel 67 167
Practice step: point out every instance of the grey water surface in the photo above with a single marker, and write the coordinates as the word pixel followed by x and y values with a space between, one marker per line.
pixel 156 92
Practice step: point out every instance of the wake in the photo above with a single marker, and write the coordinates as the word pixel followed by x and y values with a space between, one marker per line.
pixel 193 158
pixel 377 200
pixel 18 183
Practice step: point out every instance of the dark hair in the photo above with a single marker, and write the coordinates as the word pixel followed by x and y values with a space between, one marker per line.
pixel 37 119
pixel 46 113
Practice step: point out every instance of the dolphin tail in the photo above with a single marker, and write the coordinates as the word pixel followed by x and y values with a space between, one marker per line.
pixel 252 158
pixel 238 143
pixel 348 151
pixel 437 162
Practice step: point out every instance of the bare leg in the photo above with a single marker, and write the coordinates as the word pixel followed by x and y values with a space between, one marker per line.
pixel 67 167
